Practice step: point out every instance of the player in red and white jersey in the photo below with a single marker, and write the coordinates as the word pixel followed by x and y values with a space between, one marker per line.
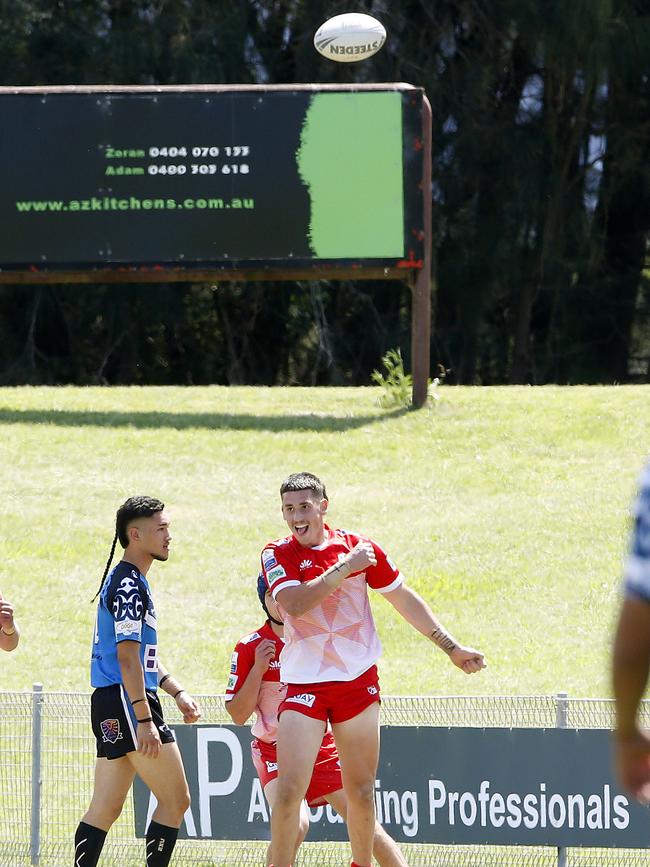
pixel 254 687
pixel 319 578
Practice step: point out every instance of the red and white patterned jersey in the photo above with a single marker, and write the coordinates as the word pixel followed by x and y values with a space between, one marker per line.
pixel 272 692
pixel 336 640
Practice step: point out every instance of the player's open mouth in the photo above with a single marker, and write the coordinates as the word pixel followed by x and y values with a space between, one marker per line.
pixel 300 529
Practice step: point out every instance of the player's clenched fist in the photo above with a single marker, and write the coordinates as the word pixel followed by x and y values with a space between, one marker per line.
pixel 468 659
pixel 360 557
pixel 264 653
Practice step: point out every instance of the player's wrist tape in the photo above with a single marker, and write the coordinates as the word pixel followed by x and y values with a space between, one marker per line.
pixel 3 630
pixel 145 719
pixel 163 679
pixel 137 700
pixel 176 694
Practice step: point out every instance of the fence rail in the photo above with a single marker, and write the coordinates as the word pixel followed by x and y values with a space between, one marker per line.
pixel 46 770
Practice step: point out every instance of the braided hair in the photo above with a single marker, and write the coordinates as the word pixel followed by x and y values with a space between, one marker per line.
pixel 134 507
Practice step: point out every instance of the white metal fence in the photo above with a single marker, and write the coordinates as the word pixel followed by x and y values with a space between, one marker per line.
pixel 47 761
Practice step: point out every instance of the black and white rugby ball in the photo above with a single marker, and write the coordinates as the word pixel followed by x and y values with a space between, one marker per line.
pixel 350 37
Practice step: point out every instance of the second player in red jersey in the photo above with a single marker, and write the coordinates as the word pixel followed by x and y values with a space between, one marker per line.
pixel 254 687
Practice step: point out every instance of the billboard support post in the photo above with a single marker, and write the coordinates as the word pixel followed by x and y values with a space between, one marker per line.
pixel 421 286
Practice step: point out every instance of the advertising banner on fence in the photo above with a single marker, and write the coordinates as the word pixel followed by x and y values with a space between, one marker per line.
pixel 211 177
pixel 547 787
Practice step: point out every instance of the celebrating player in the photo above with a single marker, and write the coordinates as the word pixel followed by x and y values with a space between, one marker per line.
pixel 319 577
pixel 9 632
pixel 254 686
pixel 132 736
pixel 631 658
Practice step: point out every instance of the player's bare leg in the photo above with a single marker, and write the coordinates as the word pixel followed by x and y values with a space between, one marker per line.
pixel 270 791
pixel 165 777
pixel 385 850
pixel 113 781
pixel 299 739
pixel 357 742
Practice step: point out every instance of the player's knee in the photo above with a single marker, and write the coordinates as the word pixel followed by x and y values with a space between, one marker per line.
pixel 108 811
pixel 177 802
pixel 362 792
pixel 289 793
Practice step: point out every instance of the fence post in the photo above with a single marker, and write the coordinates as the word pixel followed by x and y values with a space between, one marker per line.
pixel 37 729
pixel 561 722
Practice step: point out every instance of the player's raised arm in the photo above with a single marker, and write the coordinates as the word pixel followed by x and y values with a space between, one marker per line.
pixel 412 607
pixel 298 600
pixel 243 702
pixel 9 632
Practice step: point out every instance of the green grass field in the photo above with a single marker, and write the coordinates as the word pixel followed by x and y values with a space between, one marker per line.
pixel 506 508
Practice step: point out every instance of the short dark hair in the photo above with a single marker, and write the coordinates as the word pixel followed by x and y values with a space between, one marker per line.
pixel 303 482
pixel 134 507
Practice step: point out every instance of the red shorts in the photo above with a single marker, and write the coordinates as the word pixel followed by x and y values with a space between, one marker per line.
pixel 334 700
pixel 325 778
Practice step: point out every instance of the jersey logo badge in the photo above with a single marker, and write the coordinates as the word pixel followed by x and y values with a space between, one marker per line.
pixel 233 663
pixel 268 558
pixel 271 767
pixel 305 564
pixel 275 664
pixel 373 690
pixel 110 731
pixel 306 698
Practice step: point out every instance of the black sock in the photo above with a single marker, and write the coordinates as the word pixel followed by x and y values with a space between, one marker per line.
pixel 160 841
pixel 88 844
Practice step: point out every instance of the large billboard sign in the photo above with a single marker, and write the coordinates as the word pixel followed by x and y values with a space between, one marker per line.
pixel 463 786
pixel 211 178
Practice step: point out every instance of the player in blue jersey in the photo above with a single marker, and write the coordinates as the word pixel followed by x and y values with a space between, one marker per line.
pixel 127 720
pixel 631 658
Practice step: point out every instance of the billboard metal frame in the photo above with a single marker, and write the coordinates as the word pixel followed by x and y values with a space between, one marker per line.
pixel 417 275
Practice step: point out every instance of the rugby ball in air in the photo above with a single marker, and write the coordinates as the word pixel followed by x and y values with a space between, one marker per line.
pixel 350 37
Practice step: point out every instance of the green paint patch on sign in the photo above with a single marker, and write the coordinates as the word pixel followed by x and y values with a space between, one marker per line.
pixel 350 158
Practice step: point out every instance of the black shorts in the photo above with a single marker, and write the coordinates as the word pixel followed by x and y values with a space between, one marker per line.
pixel 114 721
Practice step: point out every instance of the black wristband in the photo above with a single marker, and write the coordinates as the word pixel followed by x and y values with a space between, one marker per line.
pixel 163 679
pixel 145 719
pixel 137 700
pixel 178 693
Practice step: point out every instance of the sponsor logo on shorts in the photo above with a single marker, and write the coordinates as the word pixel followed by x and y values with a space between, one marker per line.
pixel 233 662
pixel 110 729
pixel 268 558
pixel 373 690
pixel 271 766
pixel 306 564
pixel 278 572
pixel 232 681
pixel 306 698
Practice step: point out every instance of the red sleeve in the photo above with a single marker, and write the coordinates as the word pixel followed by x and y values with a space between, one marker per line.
pixel 385 576
pixel 278 570
pixel 241 662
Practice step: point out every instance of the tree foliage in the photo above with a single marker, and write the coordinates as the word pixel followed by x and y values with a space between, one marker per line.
pixel 540 195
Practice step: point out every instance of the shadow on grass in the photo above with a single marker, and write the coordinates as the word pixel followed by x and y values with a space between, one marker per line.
pixel 188 420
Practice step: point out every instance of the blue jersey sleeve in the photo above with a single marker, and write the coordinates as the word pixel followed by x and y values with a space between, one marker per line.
pixel 637 570
pixel 126 603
